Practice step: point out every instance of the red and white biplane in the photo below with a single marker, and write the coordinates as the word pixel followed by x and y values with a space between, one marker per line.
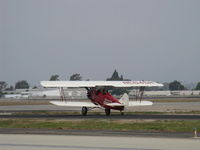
pixel 99 96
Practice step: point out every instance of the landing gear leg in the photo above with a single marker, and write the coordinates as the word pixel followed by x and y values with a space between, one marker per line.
pixel 84 111
pixel 107 111
pixel 122 113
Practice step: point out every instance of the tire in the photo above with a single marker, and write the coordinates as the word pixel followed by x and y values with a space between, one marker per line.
pixel 107 111
pixel 122 113
pixel 84 111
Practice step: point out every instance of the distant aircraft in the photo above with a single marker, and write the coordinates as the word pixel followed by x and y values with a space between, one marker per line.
pixel 99 96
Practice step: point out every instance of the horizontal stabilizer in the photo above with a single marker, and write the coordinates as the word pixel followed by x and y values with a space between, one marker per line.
pixel 140 103
pixel 73 104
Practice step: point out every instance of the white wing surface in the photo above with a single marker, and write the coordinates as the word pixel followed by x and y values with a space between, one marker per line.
pixel 140 103
pixel 99 84
pixel 74 104
pixel 89 104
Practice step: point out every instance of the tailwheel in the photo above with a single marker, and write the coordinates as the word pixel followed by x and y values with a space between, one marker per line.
pixel 84 111
pixel 107 111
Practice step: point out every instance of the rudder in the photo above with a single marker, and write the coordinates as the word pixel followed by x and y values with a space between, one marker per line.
pixel 124 99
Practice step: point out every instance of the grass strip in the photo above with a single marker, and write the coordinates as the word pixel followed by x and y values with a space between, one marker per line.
pixel 93 124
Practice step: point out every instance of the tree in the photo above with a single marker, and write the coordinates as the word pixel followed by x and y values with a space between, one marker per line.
pixel 115 77
pixel 35 87
pixel 198 86
pixel 1 93
pixel 75 77
pixel 176 85
pixel 54 78
pixel 165 86
pixel 3 86
pixel 23 84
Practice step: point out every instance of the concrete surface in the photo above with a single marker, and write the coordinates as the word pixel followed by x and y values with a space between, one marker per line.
pixel 43 142
pixel 160 107
pixel 114 133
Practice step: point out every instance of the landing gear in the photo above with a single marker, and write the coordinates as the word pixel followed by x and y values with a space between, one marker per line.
pixel 107 111
pixel 122 113
pixel 84 111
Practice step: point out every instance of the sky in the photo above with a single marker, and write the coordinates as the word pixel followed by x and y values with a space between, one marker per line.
pixel 155 40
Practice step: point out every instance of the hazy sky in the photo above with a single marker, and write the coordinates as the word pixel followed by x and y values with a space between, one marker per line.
pixel 143 39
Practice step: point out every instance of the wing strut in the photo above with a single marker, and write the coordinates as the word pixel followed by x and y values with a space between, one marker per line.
pixel 62 94
pixel 140 93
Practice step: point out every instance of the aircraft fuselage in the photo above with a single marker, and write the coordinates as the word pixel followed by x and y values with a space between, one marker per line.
pixel 102 98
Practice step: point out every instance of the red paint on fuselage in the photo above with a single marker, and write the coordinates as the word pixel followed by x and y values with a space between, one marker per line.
pixel 102 98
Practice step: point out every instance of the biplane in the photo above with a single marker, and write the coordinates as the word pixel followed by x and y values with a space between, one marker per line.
pixel 99 95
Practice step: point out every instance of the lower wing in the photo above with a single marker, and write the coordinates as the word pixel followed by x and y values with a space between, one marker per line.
pixel 74 104
pixel 132 103
pixel 90 104
pixel 140 103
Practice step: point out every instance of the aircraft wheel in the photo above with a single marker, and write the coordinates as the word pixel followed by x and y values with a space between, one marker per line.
pixel 84 111
pixel 122 113
pixel 107 111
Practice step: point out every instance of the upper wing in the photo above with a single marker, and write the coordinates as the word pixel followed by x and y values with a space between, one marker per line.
pixel 99 83
pixel 74 104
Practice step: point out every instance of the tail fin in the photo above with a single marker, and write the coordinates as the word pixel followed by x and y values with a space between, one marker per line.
pixel 124 99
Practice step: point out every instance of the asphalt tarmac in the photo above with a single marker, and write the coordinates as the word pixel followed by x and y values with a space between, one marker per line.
pixel 84 132
pixel 39 139
pixel 93 116
pixel 9 112
pixel 59 142
pixel 156 107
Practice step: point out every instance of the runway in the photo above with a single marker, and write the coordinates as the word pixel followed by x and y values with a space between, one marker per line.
pixel 114 116
pixel 10 112
pixel 43 142
pixel 156 107
pixel 41 139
